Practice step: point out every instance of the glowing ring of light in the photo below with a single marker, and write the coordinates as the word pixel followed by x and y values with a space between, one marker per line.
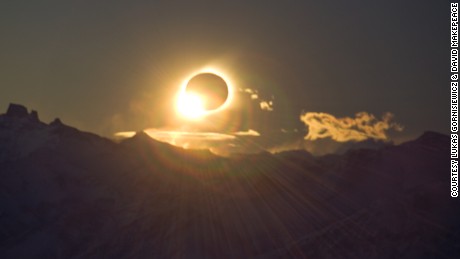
pixel 217 73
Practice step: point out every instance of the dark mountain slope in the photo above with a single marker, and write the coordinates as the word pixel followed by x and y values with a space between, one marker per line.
pixel 70 194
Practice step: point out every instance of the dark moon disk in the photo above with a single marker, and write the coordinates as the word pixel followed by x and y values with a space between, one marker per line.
pixel 211 87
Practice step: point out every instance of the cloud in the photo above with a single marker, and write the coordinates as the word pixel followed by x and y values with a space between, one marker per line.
pixel 254 95
pixel 289 131
pixel 124 134
pixel 169 136
pixel 249 132
pixel 364 126
pixel 187 140
pixel 249 91
pixel 266 106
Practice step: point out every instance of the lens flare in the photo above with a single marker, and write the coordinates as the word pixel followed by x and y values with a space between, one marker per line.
pixel 191 105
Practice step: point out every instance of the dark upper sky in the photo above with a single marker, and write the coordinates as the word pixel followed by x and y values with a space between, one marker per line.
pixel 108 66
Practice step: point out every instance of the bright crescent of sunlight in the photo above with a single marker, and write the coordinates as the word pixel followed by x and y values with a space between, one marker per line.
pixel 192 106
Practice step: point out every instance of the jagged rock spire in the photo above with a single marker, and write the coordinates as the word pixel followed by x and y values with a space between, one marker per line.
pixel 17 110
pixel 20 111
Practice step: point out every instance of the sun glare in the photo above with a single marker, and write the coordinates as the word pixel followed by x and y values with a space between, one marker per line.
pixel 191 105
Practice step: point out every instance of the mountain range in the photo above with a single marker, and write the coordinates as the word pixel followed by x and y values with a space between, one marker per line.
pixel 65 193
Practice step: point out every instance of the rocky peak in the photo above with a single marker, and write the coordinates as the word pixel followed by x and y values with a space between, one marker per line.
pixel 429 139
pixel 20 111
pixel 431 136
pixel 17 110
pixel 34 116
pixel 56 122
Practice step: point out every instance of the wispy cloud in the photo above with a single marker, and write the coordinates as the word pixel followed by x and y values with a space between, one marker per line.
pixel 249 90
pixel 184 139
pixel 289 131
pixel 163 135
pixel 254 95
pixel 266 105
pixel 362 127
pixel 249 132
pixel 124 134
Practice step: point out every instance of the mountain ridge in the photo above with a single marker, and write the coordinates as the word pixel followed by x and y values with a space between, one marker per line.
pixel 68 193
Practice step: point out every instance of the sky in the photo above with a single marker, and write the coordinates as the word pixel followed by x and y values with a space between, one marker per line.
pixel 300 71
